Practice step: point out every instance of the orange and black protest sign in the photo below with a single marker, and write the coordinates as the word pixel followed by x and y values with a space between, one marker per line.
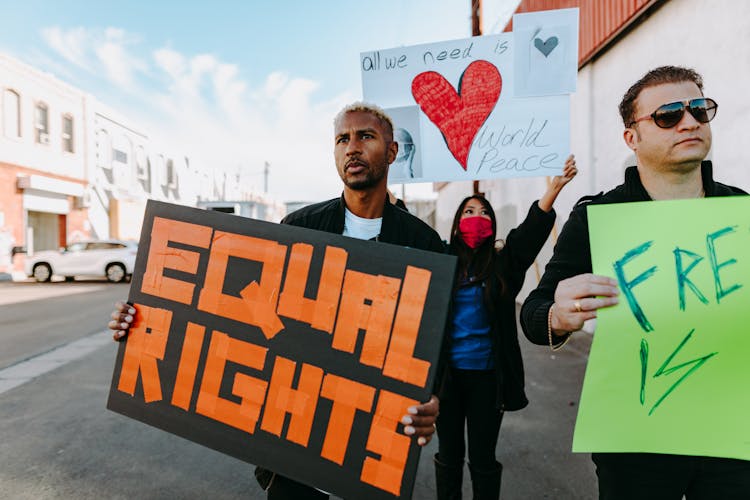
pixel 293 349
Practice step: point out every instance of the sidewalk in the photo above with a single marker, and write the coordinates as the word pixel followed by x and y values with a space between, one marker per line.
pixel 12 276
pixel 14 292
pixel 535 443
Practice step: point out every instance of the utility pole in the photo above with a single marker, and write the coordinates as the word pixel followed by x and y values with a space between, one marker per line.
pixel 476 17
pixel 265 177
pixel 476 30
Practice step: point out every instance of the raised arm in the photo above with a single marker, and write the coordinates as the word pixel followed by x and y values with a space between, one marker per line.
pixel 558 182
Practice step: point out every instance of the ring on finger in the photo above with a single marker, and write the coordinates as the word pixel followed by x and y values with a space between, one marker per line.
pixel 577 305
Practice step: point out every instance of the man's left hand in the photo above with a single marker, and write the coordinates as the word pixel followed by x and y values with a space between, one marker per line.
pixel 420 421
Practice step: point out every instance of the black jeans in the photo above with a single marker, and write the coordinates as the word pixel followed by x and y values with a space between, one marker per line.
pixel 468 401
pixel 648 476
pixel 283 488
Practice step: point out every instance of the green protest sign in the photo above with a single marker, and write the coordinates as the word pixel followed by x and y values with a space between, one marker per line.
pixel 668 370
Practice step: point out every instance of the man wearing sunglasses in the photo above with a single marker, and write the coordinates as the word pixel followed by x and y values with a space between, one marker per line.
pixel 666 118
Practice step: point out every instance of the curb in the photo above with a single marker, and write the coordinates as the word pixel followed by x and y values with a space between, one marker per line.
pixel 13 276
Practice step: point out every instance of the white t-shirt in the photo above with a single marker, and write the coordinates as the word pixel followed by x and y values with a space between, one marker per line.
pixel 363 229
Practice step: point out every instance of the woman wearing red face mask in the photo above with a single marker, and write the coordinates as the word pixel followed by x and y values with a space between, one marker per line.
pixel 482 370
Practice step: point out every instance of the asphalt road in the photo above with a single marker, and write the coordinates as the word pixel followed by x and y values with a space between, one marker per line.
pixel 36 317
pixel 59 441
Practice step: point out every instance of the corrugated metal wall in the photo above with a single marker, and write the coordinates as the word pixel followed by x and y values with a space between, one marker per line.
pixel 600 20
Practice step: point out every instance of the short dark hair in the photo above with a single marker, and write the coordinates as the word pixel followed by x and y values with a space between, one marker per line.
pixel 657 76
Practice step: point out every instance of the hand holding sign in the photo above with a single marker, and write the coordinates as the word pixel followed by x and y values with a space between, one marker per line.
pixel 420 422
pixel 578 298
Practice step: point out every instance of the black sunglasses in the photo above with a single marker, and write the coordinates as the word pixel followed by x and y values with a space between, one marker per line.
pixel 703 110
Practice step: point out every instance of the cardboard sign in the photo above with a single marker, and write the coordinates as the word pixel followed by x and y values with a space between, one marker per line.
pixel 458 114
pixel 668 370
pixel 293 349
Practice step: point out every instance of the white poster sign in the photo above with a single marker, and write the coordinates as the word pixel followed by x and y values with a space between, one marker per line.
pixel 456 113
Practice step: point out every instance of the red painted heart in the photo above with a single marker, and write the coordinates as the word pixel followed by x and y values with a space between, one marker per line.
pixel 459 115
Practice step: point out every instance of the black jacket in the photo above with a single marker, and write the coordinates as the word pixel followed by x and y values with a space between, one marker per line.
pixel 522 245
pixel 572 255
pixel 399 226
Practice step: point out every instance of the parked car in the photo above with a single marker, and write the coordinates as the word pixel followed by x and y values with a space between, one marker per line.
pixel 113 259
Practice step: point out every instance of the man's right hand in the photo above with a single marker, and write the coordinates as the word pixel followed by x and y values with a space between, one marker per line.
pixel 122 319
pixel 578 298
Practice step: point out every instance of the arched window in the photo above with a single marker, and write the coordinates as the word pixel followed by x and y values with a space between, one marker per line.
pixel 140 163
pixel 121 147
pixel 171 175
pixel 12 114
pixel 122 161
pixel 159 168
pixel 41 123
pixel 103 149
pixel 67 133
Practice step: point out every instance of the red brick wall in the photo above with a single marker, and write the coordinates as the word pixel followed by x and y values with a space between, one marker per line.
pixel 78 227
pixel 600 21
pixel 11 205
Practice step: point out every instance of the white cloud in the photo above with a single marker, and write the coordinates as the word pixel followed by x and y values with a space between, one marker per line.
pixel 170 61
pixel 99 51
pixel 229 123
pixel 210 112
pixel 73 45
pixel 119 63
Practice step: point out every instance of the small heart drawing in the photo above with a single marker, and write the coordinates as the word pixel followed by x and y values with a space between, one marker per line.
pixel 546 47
pixel 459 115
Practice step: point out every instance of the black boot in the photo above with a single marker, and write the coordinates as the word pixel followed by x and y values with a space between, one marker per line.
pixel 448 479
pixel 485 482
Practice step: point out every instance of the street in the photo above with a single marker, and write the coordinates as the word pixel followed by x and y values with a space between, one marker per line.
pixel 59 441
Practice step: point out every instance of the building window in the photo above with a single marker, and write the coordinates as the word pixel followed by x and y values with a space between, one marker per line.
pixel 41 123
pixel 171 176
pixel 140 163
pixel 121 149
pixel 147 176
pixel 67 133
pixel 12 114
pixel 103 149
pixel 119 156
pixel 159 170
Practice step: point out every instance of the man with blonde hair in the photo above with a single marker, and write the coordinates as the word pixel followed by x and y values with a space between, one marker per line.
pixel 363 150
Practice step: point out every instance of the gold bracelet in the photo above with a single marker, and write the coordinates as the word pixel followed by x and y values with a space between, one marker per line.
pixel 549 332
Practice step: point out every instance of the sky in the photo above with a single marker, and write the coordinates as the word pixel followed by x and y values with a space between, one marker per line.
pixel 234 84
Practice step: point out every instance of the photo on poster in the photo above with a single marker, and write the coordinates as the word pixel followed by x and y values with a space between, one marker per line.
pixel 407 167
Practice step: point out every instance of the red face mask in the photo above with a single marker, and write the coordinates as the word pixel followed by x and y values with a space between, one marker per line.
pixel 475 230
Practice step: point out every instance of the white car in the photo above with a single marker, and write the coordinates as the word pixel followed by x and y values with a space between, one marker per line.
pixel 113 259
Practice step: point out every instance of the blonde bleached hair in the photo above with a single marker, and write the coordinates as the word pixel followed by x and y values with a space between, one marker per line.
pixel 374 110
